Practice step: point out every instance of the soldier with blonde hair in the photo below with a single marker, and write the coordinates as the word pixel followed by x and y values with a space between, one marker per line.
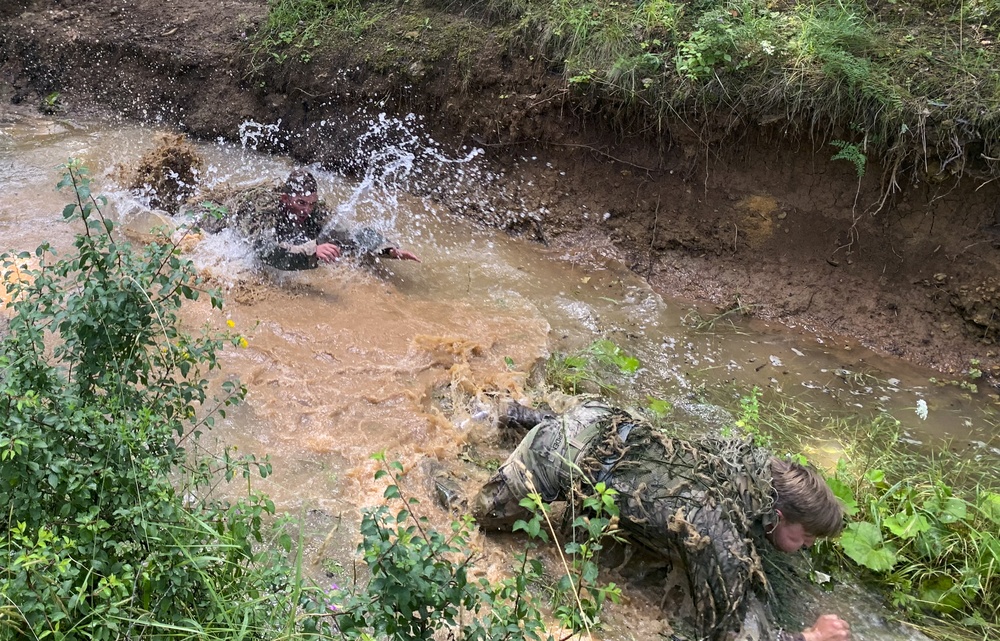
pixel 712 501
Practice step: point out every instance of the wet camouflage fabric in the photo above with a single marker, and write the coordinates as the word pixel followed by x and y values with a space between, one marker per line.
pixel 544 463
pixel 706 500
pixel 281 241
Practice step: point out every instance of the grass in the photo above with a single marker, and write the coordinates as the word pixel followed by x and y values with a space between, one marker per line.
pixel 296 29
pixel 914 85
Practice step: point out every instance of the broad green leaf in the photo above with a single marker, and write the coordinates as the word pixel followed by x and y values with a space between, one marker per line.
pixel 864 544
pixel 989 505
pixel 939 593
pixel 659 407
pixel 930 544
pixel 907 526
pixel 844 493
pixel 876 477
pixel 949 510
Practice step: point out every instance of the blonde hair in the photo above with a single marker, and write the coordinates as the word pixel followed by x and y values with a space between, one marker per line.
pixel 802 496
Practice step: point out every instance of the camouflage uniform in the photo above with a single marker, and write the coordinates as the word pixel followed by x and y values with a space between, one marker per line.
pixel 708 500
pixel 281 241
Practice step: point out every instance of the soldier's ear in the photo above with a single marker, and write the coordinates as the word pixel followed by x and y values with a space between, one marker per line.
pixel 781 517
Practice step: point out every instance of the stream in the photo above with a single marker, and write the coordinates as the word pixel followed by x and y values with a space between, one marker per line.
pixel 347 360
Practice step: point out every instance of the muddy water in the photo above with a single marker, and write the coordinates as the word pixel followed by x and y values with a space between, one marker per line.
pixel 347 360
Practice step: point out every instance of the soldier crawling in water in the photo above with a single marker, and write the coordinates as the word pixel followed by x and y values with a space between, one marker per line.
pixel 289 228
pixel 712 501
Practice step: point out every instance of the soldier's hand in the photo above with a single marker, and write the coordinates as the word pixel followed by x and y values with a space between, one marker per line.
pixel 401 254
pixel 828 627
pixel 327 252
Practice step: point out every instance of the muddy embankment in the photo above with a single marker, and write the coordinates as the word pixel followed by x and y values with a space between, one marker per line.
pixel 750 217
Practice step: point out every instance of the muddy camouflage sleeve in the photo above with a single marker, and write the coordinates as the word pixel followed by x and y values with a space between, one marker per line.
pixel 289 258
pixel 357 241
pixel 717 557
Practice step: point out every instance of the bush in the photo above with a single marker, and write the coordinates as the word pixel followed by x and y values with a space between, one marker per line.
pixel 111 530
pixel 420 580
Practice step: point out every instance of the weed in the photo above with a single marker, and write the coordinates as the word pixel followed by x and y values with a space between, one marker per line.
pixel 594 368
pixel 659 407
pixel 51 104
pixel 851 153
pixel 933 545
pixel 420 583
pixel 737 309
pixel 578 597
pixel 749 419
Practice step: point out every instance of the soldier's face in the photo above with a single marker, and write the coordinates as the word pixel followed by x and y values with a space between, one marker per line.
pixel 300 206
pixel 790 537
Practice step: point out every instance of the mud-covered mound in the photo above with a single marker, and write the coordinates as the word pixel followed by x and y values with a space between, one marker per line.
pixel 167 174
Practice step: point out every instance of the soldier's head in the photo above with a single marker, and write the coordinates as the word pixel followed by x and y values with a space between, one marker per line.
pixel 299 194
pixel 805 506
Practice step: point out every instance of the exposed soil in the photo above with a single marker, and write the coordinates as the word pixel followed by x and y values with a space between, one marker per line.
pixel 745 217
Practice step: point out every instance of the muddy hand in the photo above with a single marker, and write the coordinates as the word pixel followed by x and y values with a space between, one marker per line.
pixel 327 252
pixel 829 627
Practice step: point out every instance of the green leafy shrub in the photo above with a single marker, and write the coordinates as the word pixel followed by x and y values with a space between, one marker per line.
pixel 578 597
pixel 921 531
pixel 111 530
pixel 419 582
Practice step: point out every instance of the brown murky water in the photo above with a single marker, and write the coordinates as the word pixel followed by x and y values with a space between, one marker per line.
pixel 345 361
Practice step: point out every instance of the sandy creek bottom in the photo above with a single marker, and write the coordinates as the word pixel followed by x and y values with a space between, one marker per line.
pixel 345 361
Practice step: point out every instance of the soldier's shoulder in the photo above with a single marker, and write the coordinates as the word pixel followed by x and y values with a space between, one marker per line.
pixel 263 194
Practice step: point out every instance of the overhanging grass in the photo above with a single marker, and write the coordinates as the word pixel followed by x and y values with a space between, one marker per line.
pixel 913 84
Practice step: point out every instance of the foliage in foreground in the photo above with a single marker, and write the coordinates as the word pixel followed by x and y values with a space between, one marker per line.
pixel 110 529
pixel 421 580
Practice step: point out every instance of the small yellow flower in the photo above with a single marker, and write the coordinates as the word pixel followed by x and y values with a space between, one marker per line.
pixel 243 342
pixel 230 323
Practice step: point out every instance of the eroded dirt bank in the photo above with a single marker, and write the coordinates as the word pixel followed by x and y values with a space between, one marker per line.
pixel 750 217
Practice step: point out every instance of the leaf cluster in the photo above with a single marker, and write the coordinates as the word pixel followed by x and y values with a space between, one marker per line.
pixel 595 368
pixel 578 597
pixel 420 583
pixel 111 530
pixel 934 544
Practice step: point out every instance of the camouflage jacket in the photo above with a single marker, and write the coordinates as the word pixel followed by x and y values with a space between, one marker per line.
pixel 283 242
pixel 708 500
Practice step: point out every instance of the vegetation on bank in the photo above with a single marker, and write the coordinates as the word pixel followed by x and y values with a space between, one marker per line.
pixel 914 84
pixel 112 528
